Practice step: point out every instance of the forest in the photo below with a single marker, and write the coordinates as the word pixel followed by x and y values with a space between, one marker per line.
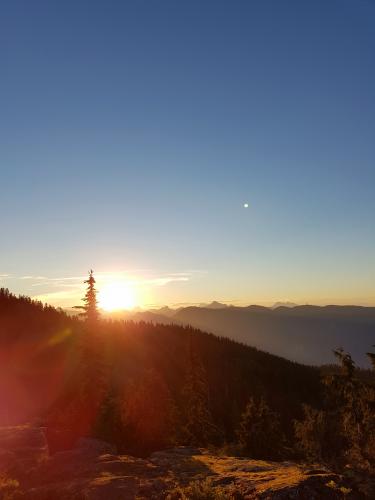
pixel 146 387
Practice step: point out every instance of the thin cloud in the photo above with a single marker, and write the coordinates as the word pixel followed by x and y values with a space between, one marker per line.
pixel 162 281
pixel 67 290
pixel 61 298
pixel 29 277
pixel 58 284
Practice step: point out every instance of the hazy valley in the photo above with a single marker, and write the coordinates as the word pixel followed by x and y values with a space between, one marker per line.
pixel 306 334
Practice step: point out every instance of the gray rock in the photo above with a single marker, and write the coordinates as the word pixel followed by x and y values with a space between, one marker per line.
pixel 22 448
pixel 96 446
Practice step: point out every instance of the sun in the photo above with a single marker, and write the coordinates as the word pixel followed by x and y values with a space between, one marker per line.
pixel 116 296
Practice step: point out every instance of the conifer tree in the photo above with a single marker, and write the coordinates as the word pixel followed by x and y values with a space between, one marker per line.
pixel 259 432
pixel 90 309
pixel 198 428
pixel 93 377
pixel 346 362
pixel 344 429
pixel 147 414
pixel 108 425
pixel 357 413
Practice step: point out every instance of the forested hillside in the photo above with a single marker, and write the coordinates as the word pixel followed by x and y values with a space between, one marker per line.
pixel 36 344
pixel 145 387
pixel 41 349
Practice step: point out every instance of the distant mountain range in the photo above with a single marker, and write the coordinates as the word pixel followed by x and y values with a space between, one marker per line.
pixel 215 305
pixel 284 304
pixel 306 334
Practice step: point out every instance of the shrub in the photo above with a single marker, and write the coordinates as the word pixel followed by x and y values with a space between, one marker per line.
pixel 203 490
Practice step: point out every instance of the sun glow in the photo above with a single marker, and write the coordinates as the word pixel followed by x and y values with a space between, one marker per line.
pixel 116 296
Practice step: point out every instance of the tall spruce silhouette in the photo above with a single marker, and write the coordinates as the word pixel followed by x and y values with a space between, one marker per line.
pixel 76 413
pixel 90 309
pixel 93 373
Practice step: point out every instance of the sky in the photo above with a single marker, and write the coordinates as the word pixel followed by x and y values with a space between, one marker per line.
pixel 132 133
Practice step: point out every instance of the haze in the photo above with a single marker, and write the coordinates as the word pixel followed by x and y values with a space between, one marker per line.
pixel 133 134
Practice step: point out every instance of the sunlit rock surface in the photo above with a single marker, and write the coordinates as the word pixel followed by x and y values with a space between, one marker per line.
pixel 22 448
pixel 93 471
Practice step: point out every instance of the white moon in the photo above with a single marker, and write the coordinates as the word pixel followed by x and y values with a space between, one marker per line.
pixel 246 205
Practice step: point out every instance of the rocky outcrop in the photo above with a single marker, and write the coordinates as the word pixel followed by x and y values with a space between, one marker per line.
pixel 22 448
pixel 93 471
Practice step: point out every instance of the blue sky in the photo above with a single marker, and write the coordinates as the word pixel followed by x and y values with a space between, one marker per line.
pixel 132 133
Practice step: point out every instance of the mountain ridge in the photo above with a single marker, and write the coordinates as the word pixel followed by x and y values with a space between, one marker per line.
pixel 303 333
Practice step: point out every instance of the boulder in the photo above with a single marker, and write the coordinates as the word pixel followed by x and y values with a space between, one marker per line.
pixel 22 448
pixel 95 446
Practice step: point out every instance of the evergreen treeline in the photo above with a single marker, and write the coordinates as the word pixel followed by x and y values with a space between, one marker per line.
pixel 148 385
pixel 143 387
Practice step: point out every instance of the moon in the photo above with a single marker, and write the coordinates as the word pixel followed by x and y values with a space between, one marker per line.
pixel 246 205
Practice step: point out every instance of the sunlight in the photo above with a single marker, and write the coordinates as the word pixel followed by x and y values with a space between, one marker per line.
pixel 116 296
